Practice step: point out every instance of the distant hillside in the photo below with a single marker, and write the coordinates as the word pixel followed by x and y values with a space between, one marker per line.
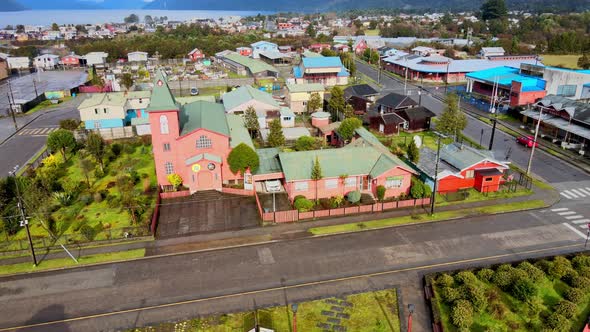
pixel 10 6
pixel 59 4
pixel 314 5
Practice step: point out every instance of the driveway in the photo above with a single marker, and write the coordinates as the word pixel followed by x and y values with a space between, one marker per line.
pixel 204 212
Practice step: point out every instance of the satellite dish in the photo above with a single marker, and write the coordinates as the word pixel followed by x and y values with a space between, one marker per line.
pixel 417 141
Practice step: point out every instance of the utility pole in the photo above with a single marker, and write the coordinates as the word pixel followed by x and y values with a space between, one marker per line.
pixel 294 308
pixel 447 77
pixel 11 111
pixel 528 168
pixel 24 222
pixel 493 110
pixel 35 86
pixel 435 188
pixel 379 71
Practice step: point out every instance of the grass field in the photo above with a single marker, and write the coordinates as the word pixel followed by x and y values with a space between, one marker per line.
pixel 47 104
pixel 68 262
pixel 499 303
pixel 568 60
pixel 374 32
pixel 364 312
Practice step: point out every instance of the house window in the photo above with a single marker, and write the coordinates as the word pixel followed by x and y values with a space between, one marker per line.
pixel 166 146
pixel 331 183
pixel 566 90
pixel 350 182
pixel 104 110
pixel 488 179
pixel 394 182
pixel 96 111
pixel 169 168
pixel 469 174
pixel 301 186
pixel 163 124
pixel 203 142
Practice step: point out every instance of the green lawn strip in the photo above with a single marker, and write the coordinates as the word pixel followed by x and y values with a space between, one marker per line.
pixel 24 168
pixel 372 311
pixel 47 104
pixel 428 138
pixel 68 262
pixel 537 183
pixel 212 91
pixel 418 218
pixel 476 196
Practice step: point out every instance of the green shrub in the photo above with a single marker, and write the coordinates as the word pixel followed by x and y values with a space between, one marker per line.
pixel 445 280
pixel 566 308
pixel 574 295
pixel 584 271
pixel 465 277
pixel 504 267
pixel 354 196
pixel 88 232
pixel 477 296
pixel 462 314
pixel 534 273
pixel 557 322
pixel 485 274
pixel 581 261
pixel 303 205
pixel 498 310
pixel 298 197
pixel 502 279
pixel 85 199
pixel 559 267
pixel 543 265
pixel 336 201
pixel 534 307
pixel 417 188
pixel 116 149
pixel 518 274
pixel 582 283
pixel 97 197
pixel 381 192
pixel 524 289
pixel 569 276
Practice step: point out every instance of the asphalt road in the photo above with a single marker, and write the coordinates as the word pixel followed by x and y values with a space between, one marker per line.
pixel 137 293
pixel 546 166
pixel 32 135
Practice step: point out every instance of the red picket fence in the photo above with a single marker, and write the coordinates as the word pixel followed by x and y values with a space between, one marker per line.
pixel 294 215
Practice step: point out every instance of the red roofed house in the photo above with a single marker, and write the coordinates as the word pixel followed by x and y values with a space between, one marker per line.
pixel 319 47
pixel 196 55
pixel 71 60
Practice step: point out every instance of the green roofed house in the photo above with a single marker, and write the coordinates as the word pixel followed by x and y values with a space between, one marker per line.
pixel 240 99
pixel 243 65
pixel 193 140
pixel 113 109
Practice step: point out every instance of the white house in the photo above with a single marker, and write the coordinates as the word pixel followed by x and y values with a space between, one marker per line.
pixel 491 51
pixel 96 58
pixel 46 61
pixel 18 62
pixel 263 46
pixel 137 57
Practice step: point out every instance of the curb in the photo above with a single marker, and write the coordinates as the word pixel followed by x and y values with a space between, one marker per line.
pixel 21 128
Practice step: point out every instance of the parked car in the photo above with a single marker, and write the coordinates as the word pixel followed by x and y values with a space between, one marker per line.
pixel 194 91
pixel 273 186
pixel 527 141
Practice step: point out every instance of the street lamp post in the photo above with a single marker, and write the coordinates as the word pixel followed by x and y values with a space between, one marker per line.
pixel 24 222
pixel 528 168
pixel 411 308
pixel 435 187
pixel 294 307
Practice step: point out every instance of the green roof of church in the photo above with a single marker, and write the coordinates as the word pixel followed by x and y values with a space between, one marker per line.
pixel 162 98
pixel 203 114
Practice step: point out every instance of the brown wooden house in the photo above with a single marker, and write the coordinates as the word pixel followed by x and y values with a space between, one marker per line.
pixel 361 97
pixel 395 112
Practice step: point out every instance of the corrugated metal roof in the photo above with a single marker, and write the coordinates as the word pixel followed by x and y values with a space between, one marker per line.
pixel 505 75
pixel 237 131
pixel 162 98
pixel 203 114
pixel 306 87
pixel 244 94
pixel 455 66
pixel 255 66
pixel 322 62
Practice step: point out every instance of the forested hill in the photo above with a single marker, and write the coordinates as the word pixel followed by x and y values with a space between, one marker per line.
pixel 315 6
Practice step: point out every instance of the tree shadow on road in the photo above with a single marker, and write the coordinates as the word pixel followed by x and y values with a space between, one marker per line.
pixel 52 313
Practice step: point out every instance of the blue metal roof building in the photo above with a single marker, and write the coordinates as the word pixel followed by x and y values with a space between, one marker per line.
pixel 506 75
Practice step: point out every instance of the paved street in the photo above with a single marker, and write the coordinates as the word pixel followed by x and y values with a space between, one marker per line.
pixel 20 147
pixel 546 166
pixel 306 267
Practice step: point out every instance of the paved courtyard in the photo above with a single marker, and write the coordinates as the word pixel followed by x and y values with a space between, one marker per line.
pixel 207 211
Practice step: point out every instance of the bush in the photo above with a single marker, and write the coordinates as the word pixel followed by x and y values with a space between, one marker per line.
pixel 523 289
pixel 559 267
pixel 465 277
pixel 534 273
pixel 303 205
pixel 477 296
pixel 116 149
pixel 417 189
pixel 87 232
pixel 298 197
pixel 354 196
pixel 450 294
pixel 462 314
pixel 97 197
pixel 581 261
pixel 98 173
pixel 128 148
pixel 498 310
pixel 502 279
pixel 574 295
pixel 381 192
pixel 569 276
pixel 582 283
pixel 85 199
pixel 566 308
pixel 584 271
pixel 544 265
pixel 335 201
pixel 445 280
pixel 69 124
pixel 485 274
pixel 557 322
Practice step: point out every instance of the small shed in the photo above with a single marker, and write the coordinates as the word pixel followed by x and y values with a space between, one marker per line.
pixel 287 118
pixel 320 119
pixel 487 180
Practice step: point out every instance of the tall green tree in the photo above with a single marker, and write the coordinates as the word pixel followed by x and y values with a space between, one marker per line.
pixel 86 166
pixel 54 27
pixel 251 121
pixel 584 61
pixel 127 81
pixel 129 197
pixel 348 62
pixel 61 140
pixel 347 128
pixel 316 174
pixel 242 158
pixel 314 103
pixel 337 103
pixel 494 9
pixel 311 31
pixel 413 152
pixel 276 137
pixel 133 18
pixel 452 120
pixel 95 146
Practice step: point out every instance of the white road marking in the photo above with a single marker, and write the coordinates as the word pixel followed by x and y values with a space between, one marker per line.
pixel 574 217
pixel 581 221
pixel 583 226
pixel 265 256
pixel 569 195
pixel 582 235
pixel 584 191
pixel 588 188
pixel 559 209
pixel 567 213
pixel 578 192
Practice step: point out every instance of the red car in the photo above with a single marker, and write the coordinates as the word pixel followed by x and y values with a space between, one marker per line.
pixel 528 141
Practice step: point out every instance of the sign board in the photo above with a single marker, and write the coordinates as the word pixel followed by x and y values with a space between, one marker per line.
pixel 418 141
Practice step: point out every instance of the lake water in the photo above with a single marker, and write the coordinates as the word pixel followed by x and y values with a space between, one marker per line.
pixel 47 17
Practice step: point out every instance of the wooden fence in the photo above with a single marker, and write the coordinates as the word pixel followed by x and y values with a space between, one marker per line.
pixel 294 215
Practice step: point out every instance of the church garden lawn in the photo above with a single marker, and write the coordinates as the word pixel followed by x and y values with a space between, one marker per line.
pixel 363 312
pixel 545 295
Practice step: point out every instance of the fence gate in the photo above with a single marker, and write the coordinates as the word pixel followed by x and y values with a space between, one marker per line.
pixel 525 180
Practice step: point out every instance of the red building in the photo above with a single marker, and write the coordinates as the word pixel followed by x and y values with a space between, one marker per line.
pixel 196 55
pixel 285 26
pixel 318 47
pixel 245 51
pixel 72 60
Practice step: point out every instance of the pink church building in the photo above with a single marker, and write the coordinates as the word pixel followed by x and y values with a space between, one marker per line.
pixel 193 140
